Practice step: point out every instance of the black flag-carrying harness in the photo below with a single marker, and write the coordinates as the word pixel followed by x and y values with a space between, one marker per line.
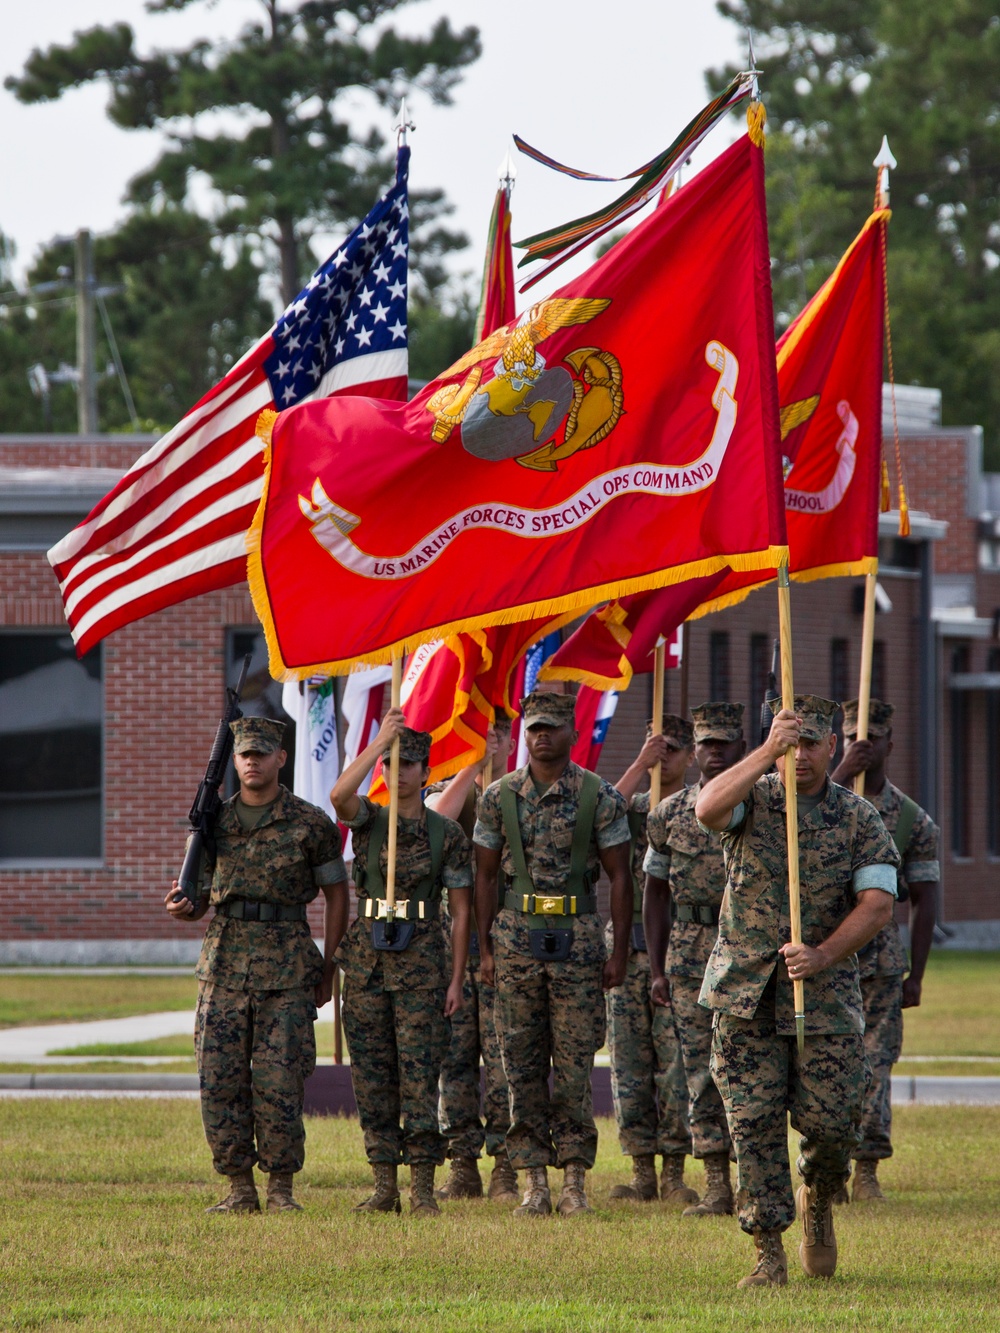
pixel 550 917
pixel 424 897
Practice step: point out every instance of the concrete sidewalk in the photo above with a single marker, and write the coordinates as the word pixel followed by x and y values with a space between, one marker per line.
pixel 24 1044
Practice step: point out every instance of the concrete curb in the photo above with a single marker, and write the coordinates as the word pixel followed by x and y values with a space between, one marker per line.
pixel 99 1082
pixel 329 1090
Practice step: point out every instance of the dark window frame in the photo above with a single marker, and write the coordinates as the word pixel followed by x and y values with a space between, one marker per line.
pixel 78 860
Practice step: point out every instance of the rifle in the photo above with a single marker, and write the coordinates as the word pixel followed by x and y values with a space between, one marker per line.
pixel 207 803
pixel 771 694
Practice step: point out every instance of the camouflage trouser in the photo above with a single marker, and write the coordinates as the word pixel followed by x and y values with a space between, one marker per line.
pixel 397 1042
pixel 647 1072
pixel 761 1079
pixel 883 1003
pixel 549 1015
pixel 707 1115
pixel 473 1034
pixel 255 1050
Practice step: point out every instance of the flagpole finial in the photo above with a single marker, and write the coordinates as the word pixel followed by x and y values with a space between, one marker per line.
pixel 403 124
pixel 507 171
pixel 884 163
pixel 752 69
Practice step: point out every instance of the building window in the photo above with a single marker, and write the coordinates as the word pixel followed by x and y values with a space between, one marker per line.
pixel 960 759
pixel 51 749
pixel 261 694
pixel 993 759
pixel 880 682
pixel 760 666
pixel 840 689
pixel 841 685
pixel 718 666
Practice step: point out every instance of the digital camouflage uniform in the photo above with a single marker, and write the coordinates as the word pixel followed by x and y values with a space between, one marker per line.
pixel 393 1002
pixel 844 849
pixel 465 1101
pixel 647 1070
pixel 688 858
pixel 257 979
pixel 882 964
pixel 550 1015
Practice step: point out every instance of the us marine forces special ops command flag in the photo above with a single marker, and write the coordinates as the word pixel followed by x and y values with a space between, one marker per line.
pixel 620 435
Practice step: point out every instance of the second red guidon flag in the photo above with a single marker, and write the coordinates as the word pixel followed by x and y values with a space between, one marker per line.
pixel 621 435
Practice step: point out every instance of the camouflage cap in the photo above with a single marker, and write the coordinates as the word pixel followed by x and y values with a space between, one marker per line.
pixel 676 729
pixel 257 735
pixel 879 717
pixel 414 747
pixel 718 722
pixel 816 714
pixel 543 708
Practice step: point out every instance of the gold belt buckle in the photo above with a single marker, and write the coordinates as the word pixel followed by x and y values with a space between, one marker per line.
pixel 552 906
pixel 399 908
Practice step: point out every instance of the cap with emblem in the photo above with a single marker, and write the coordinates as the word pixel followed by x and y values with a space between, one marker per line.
pixel 542 708
pixel 816 714
pixel 257 735
pixel 879 718
pixel 676 729
pixel 718 722
pixel 414 747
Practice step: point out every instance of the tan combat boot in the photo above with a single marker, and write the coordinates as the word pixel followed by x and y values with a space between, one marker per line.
pixel 672 1187
pixel 422 1200
pixel 242 1196
pixel 771 1269
pixel 279 1193
pixel 463 1180
pixel 642 1187
pixel 818 1247
pixel 718 1199
pixel 537 1200
pixel 866 1186
pixel 503 1180
pixel 572 1196
pixel 386 1196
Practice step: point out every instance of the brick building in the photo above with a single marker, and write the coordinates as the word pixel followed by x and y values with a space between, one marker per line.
pixel 99 760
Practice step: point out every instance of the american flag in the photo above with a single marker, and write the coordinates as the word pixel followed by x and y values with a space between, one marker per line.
pixel 594 711
pixel 174 525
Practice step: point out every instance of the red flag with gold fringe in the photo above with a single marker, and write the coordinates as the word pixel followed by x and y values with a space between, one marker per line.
pixel 830 394
pixel 622 435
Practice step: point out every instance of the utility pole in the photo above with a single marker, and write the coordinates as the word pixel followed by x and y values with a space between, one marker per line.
pixel 85 336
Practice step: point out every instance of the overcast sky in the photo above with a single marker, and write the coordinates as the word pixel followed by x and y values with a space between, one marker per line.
pixel 600 84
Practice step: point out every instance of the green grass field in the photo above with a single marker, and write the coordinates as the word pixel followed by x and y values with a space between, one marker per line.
pixel 102 1228
pixel 76 998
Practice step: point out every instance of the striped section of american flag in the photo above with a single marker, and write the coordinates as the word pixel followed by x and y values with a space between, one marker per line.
pixel 175 524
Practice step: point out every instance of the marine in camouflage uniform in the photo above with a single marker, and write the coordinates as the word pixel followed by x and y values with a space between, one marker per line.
pixel 848 876
pixel 546 949
pixel 883 962
pixel 260 973
pixel 397 1001
pixel 647 1069
pixel 474 1114
pixel 685 881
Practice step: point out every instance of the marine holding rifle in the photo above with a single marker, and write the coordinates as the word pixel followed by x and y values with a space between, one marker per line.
pixel 549 827
pixel 261 976
pixel 848 875
pixel 399 989
pixel 884 991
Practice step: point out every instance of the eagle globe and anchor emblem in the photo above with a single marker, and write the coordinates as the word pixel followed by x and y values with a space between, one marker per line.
pixel 518 413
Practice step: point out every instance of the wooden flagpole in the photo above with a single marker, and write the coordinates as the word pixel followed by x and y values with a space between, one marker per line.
pixel 865 683
pixel 390 877
pixel 791 795
pixel 659 669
